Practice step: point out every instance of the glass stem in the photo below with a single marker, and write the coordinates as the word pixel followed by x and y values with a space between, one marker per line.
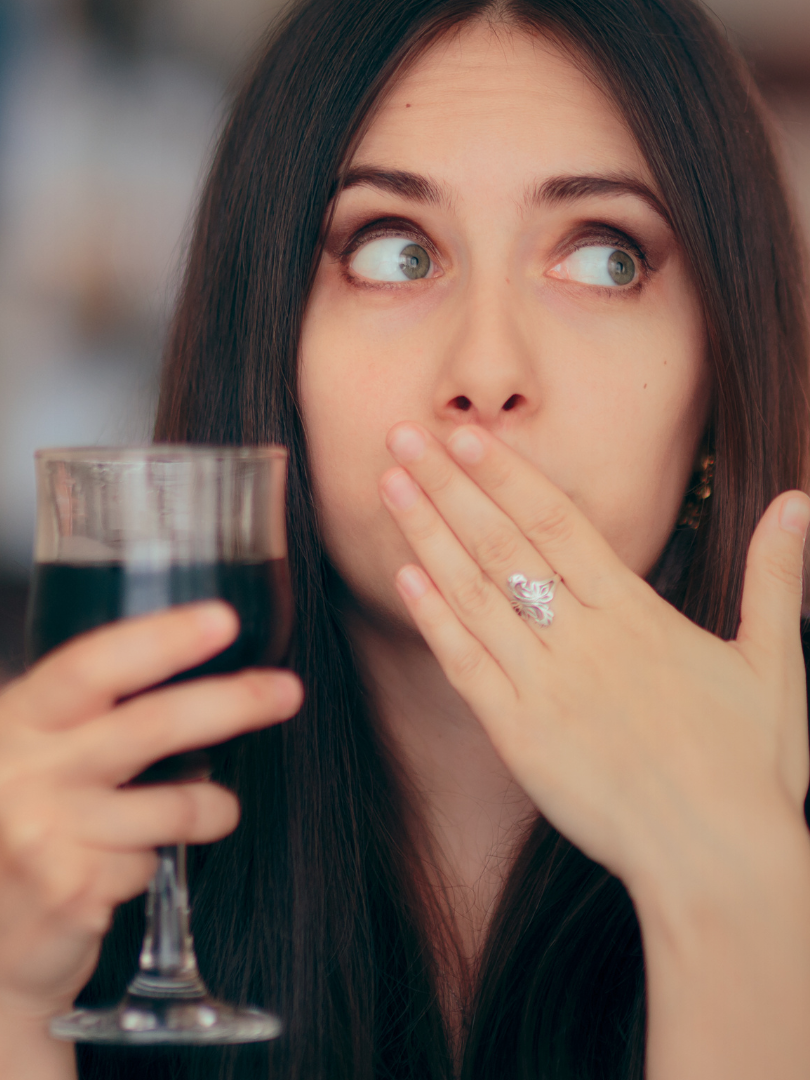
pixel 168 966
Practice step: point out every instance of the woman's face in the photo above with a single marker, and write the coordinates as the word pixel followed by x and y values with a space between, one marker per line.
pixel 500 257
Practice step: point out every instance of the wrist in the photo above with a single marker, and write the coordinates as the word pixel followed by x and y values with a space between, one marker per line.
pixel 745 865
pixel 727 939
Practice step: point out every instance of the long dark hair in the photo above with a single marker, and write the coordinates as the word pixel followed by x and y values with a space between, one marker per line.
pixel 314 905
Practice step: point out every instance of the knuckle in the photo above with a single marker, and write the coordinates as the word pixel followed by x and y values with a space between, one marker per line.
pixel 466 664
pixel 423 529
pixel 442 477
pixel 549 525
pixel 473 594
pixel 499 548
pixel 784 570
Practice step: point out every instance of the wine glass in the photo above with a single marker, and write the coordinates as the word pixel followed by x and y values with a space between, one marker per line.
pixel 123 532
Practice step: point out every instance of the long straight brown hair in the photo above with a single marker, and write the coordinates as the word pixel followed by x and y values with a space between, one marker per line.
pixel 314 906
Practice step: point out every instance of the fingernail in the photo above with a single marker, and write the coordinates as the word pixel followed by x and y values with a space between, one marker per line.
pixel 412 582
pixel 407 443
pixel 466 446
pixel 400 490
pixel 794 515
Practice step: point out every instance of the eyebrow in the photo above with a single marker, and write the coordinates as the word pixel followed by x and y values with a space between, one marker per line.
pixel 397 182
pixel 562 189
pixel 557 189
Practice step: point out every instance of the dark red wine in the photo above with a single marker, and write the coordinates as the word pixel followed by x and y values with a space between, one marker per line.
pixel 68 599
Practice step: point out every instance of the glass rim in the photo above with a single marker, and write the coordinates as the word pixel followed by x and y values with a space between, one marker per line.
pixel 168 452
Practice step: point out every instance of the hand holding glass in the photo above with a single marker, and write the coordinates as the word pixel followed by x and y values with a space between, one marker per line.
pixel 123 532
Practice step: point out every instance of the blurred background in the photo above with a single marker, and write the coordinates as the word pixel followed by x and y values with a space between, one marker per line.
pixel 108 114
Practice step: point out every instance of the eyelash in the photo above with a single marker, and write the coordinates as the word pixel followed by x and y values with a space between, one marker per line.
pixel 374 231
pixel 607 235
pixel 600 232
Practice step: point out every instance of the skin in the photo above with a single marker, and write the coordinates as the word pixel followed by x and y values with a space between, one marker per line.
pixel 613 389
pixel 677 760
pixel 609 388
pixel 547 424
pixel 72 844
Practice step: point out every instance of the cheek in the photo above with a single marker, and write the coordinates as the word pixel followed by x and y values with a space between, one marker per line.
pixel 343 450
pixel 625 448
pixel 342 439
pixel 350 397
pixel 363 368
pixel 339 395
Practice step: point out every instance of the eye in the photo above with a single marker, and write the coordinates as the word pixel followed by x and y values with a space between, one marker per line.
pixel 598 264
pixel 391 258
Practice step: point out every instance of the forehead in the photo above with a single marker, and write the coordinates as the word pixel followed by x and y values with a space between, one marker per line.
pixel 488 104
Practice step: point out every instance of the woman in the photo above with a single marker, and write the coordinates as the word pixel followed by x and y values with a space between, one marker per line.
pixel 537 258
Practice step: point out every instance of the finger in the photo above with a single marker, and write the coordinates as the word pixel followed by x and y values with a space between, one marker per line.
pixel 490 536
pixel 772 593
pixel 204 712
pixel 136 819
pixel 562 534
pixel 119 877
pixel 87 675
pixel 469 667
pixel 474 598
pixel 71 881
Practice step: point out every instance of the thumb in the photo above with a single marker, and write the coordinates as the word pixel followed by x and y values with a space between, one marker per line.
pixel 772 594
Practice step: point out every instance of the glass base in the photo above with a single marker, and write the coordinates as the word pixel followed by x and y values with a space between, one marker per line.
pixel 149 1022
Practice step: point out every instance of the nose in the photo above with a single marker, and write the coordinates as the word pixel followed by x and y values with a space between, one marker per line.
pixel 488 374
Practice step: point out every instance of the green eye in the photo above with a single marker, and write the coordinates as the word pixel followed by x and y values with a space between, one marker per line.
pixel 392 258
pixel 415 261
pixel 598 264
pixel 621 267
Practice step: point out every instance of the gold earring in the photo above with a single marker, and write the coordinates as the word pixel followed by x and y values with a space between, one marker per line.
pixel 698 493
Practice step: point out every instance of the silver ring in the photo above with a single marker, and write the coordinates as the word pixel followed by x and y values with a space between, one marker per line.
pixel 531 599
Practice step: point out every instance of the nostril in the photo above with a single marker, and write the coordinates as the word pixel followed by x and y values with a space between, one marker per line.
pixel 511 402
pixel 462 403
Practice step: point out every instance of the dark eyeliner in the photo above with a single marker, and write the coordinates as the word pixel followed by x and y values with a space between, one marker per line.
pixel 600 233
pixel 380 227
pixel 609 234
